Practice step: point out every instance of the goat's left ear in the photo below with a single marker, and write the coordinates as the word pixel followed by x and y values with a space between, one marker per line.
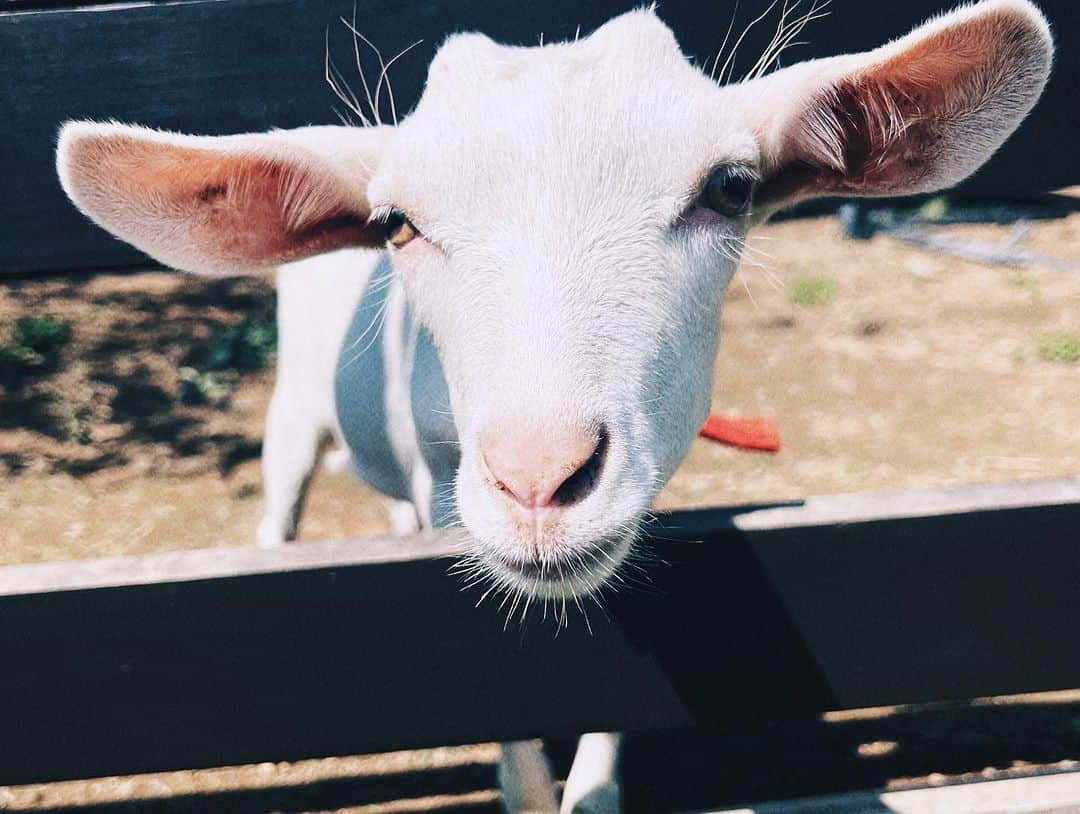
pixel 916 115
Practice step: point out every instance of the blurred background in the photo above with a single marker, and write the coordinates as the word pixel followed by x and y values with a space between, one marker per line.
pixel 133 402
pixel 942 346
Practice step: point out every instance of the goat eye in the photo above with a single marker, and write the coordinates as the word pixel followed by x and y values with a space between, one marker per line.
pixel 398 229
pixel 727 192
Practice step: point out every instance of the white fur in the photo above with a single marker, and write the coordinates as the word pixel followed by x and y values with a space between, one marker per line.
pixel 592 786
pixel 316 301
pixel 562 270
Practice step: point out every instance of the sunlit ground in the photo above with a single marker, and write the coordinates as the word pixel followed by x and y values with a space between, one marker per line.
pixel 886 367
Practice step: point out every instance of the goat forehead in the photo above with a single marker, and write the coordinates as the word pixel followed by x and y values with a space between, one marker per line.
pixel 633 45
pixel 620 114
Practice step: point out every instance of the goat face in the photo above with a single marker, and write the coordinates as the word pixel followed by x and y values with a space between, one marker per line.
pixel 564 220
pixel 560 247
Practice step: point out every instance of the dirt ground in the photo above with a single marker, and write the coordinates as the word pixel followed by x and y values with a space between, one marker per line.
pixel 887 367
pixel 901 369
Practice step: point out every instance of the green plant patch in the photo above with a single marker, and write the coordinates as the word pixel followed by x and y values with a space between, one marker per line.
pixel 812 291
pixel 251 345
pixel 44 334
pixel 198 387
pixel 1062 347
pixel 32 346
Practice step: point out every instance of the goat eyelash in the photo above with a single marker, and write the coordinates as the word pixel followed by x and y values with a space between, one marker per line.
pixel 747 172
pixel 694 199
pixel 382 213
pixel 398 226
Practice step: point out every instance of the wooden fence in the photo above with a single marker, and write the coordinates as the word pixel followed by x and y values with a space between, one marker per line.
pixel 217 66
pixel 218 657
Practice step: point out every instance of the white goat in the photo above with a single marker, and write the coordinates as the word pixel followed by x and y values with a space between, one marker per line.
pixel 523 335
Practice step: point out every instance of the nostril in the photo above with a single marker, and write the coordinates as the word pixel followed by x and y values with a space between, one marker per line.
pixel 550 467
pixel 581 483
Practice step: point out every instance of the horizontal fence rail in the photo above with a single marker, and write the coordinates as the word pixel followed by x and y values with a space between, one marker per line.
pixel 248 65
pixel 218 657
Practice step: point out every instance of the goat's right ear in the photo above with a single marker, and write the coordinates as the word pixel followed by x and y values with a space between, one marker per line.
pixel 227 204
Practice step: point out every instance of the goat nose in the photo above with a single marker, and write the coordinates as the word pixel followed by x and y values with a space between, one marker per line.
pixel 545 469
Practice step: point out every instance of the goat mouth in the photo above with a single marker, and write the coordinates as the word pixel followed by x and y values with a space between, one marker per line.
pixel 566 578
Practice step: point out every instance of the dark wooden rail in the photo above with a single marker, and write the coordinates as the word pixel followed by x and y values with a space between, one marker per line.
pixel 243 65
pixel 229 656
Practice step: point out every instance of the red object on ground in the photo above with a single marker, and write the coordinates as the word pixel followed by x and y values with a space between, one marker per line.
pixel 744 433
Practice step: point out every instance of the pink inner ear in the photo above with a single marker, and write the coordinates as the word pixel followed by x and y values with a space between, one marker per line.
pixel 210 209
pixel 893 115
pixel 265 212
pixel 891 127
